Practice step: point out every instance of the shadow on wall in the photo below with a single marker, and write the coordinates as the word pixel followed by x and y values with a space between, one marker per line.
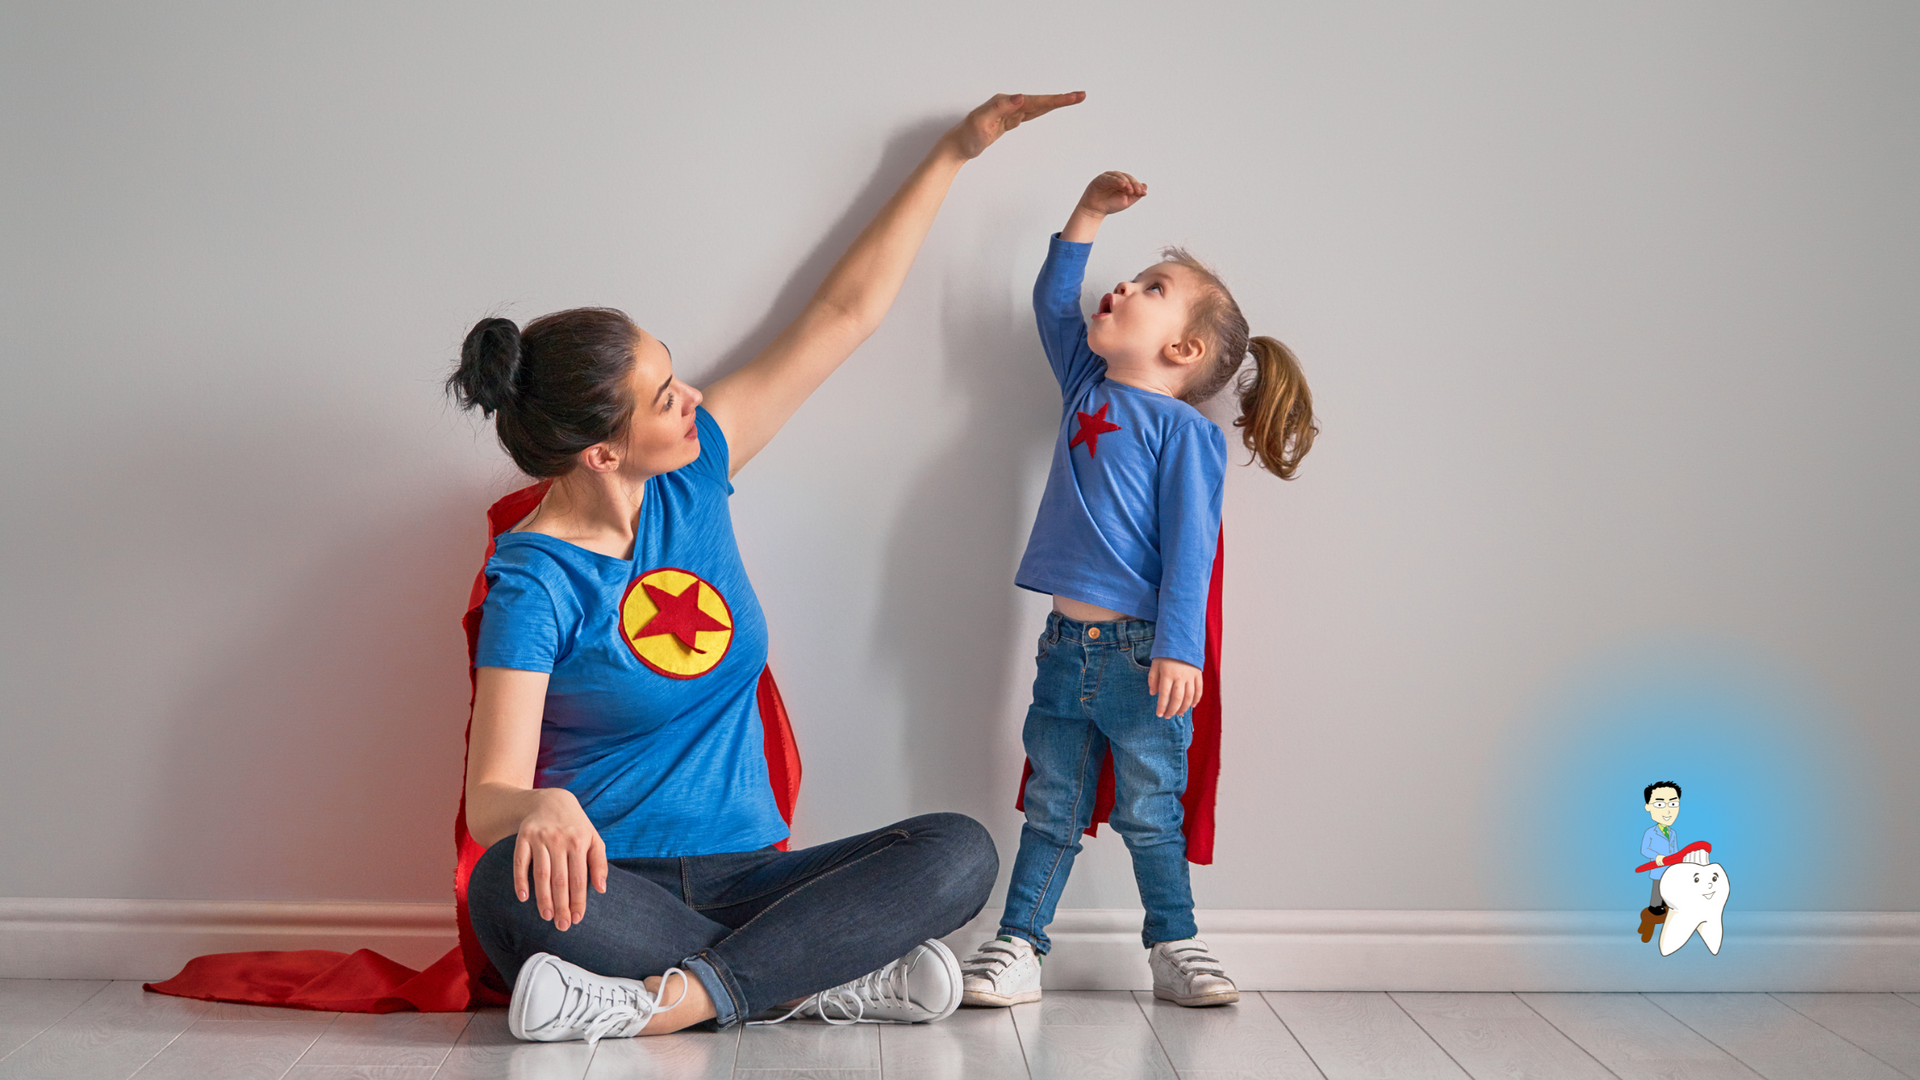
pixel 903 151
pixel 947 597
pixel 954 544
pixel 318 755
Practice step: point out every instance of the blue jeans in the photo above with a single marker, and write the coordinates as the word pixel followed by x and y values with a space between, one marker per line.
pixel 757 928
pixel 1089 697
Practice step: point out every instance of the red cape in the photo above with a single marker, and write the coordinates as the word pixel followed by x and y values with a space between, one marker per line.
pixel 463 979
pixel 1203 757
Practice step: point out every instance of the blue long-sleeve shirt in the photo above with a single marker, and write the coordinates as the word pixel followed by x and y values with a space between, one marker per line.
pixel 1131 512
pixel 1654 843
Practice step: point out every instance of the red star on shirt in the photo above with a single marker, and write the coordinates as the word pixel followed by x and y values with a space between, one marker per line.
pixel 678 615
pixel 1092 426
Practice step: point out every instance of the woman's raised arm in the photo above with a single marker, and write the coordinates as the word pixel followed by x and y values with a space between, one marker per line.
pixel 754 402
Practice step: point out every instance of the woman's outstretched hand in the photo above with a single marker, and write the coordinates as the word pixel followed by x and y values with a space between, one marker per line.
pixel 1001 114
pixel 558 854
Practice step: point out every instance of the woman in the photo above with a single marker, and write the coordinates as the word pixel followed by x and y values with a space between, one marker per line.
pixel 615 744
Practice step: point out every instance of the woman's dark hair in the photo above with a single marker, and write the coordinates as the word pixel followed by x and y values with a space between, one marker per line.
pixel 553 389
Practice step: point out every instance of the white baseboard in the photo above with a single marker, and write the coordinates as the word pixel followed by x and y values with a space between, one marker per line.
pixel 1093 949
pixel 152 939
pixel 1492 951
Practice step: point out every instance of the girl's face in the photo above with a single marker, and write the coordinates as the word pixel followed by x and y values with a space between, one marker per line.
pixel 1141 320
pixel 661 436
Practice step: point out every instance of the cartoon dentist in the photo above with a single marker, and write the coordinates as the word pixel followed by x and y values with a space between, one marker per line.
pixel 1659 843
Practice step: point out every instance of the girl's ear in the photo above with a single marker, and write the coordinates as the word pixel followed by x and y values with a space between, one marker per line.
pixel 1185 351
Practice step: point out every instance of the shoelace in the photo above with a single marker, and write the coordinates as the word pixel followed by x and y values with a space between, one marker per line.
pixel 886 985
pixel 623 1010
pixel 1194 960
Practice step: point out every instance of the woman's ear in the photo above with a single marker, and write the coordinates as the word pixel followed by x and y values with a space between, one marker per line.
pixel 601 458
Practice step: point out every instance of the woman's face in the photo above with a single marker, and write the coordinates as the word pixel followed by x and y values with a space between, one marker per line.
pixel 661 436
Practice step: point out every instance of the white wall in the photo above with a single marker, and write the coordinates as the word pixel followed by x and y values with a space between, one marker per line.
pixel 1609 313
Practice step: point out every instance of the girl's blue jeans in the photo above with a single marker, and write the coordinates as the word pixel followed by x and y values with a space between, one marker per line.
pixel 757 928
pixel 1090 696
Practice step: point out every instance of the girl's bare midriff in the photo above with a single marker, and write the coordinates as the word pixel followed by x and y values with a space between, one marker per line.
pixel 1084 612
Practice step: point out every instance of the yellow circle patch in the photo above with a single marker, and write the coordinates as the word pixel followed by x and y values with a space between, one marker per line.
pixel 675 623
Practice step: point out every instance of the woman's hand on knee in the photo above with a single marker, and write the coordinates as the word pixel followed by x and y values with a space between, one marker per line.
pixel 557 853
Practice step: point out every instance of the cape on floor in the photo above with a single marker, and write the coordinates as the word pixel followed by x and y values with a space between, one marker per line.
pixel 1203 757
pixel 365 981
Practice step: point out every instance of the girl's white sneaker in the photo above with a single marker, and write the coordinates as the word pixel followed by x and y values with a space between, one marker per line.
pixel 555 1001
pixel 1185 974
pixel 1002 972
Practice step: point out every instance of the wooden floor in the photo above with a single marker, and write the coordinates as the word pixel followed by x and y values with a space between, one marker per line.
pixel 57 1030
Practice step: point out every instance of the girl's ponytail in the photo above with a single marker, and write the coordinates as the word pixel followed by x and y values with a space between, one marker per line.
pixel 1276 411
pixel 1276 408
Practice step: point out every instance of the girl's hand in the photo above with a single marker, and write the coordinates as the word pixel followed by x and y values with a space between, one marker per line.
pixel 1001 114
pixel 559 850
pixel 1110 193
pixel 1176 683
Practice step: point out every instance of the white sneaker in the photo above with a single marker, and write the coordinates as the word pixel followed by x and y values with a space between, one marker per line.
pixel 554 1001
pixel 1185 974
pixel 1002 972
pixel 922 986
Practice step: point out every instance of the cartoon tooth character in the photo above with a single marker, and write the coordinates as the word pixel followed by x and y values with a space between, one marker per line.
pixel 1695 893
pixel 1660 843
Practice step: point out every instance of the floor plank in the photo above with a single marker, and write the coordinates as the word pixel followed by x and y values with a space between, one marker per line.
pixel 486 1050
pixel 1353 1036
pixel 1497 1037
pixel 107 1037
pixel 684 1055
pixel 807 1075
pixel 809 1044
pixel 1089 1035
pixel 227 1010
pixel 361 1073
pixel 31 1006
pixel 1228 1040
pixel 977 1044
pixel 232 1050
pixel 1635 1038
pixel 393 1040
pixel 1775 1041
pixel 1884 1025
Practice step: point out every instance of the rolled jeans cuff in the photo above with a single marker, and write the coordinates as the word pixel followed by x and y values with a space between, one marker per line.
pixel 712 973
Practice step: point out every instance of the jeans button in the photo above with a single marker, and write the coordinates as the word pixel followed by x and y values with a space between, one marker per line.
pixel 1093 633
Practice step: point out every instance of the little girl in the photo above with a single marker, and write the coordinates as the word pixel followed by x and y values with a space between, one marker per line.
pixel 1125 542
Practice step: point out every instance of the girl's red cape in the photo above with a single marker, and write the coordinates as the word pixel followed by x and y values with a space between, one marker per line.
pixel 1203 757
pixel 463 979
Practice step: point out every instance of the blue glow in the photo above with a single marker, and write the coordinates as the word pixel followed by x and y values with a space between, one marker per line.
pixel 1758 767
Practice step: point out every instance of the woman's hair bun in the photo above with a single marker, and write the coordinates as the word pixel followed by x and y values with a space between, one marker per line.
pixel 489 364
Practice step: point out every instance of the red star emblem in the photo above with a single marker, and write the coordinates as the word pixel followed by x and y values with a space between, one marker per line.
pixel 678 615
pixel 1092 426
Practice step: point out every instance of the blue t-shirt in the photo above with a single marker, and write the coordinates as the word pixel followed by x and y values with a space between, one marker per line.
pixel 652 718
pixel 1131 513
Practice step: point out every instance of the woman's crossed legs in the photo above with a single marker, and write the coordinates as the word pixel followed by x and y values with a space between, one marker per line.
pixel 756 928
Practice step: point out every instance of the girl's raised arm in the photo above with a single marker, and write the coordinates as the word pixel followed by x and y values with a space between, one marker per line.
pixel 754 402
